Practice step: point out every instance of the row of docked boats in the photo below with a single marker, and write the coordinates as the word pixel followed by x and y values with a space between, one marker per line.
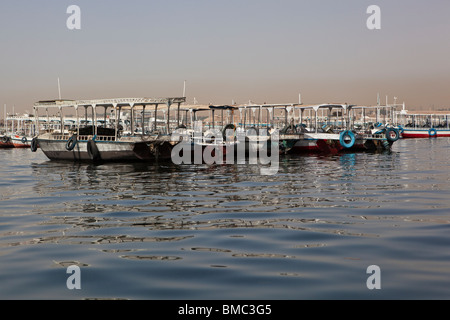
pixel 145 129
pixel 156 128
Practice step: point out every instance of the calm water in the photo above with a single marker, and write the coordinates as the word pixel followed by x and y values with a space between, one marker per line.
pixel 170 232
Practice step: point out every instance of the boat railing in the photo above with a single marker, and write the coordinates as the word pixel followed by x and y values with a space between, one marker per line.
pixel 60 136
pixel 374 136
pixel 101 138
pixel 426 128
pixel 66 137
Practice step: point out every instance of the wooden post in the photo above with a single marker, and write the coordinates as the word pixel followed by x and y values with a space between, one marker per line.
pixel 94 118
pixel 143 119
pixel 116 119
pixel 178 115
pixel 78 121
pixel 132 119
pixel 156 114
pixel 168 118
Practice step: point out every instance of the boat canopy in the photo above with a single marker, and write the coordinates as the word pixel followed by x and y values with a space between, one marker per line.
pixel 116 103
pixel 225 107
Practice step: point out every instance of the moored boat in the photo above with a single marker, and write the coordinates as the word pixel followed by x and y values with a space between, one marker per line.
pixel 18 130
pixel 424 125
pixel 330 128
pixel 105 139
pixel 424 133
pixel 5 141
pixel 21 141
pixel 324 128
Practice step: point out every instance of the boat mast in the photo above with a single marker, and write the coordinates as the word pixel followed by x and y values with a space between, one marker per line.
pixel 59 90
pixel 4 123
pixel 12 126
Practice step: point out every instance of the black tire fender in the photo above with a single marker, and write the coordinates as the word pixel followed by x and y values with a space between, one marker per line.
pixel 34 145
pixel 93 152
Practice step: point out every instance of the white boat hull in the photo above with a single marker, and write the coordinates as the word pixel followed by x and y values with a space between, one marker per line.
pixel 107 150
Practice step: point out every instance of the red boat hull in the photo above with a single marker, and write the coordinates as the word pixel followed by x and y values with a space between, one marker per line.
pixel 425 133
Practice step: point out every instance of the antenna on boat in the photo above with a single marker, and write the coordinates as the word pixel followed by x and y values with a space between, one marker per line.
pixel 59 90
pixel 299 98
pixel 184 89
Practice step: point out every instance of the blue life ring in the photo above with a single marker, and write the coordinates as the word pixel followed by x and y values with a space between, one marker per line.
pixel 347 134
pixel 24 140
pixel 432 132
pixel 71 143
pixel 392 134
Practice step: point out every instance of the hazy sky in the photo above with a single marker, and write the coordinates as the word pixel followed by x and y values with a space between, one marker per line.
pixel 259 50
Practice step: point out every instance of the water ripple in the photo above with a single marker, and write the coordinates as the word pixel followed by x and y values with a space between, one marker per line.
pixel 164 231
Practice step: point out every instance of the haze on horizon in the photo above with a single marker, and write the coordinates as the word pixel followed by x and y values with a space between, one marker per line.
pixel 265 51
